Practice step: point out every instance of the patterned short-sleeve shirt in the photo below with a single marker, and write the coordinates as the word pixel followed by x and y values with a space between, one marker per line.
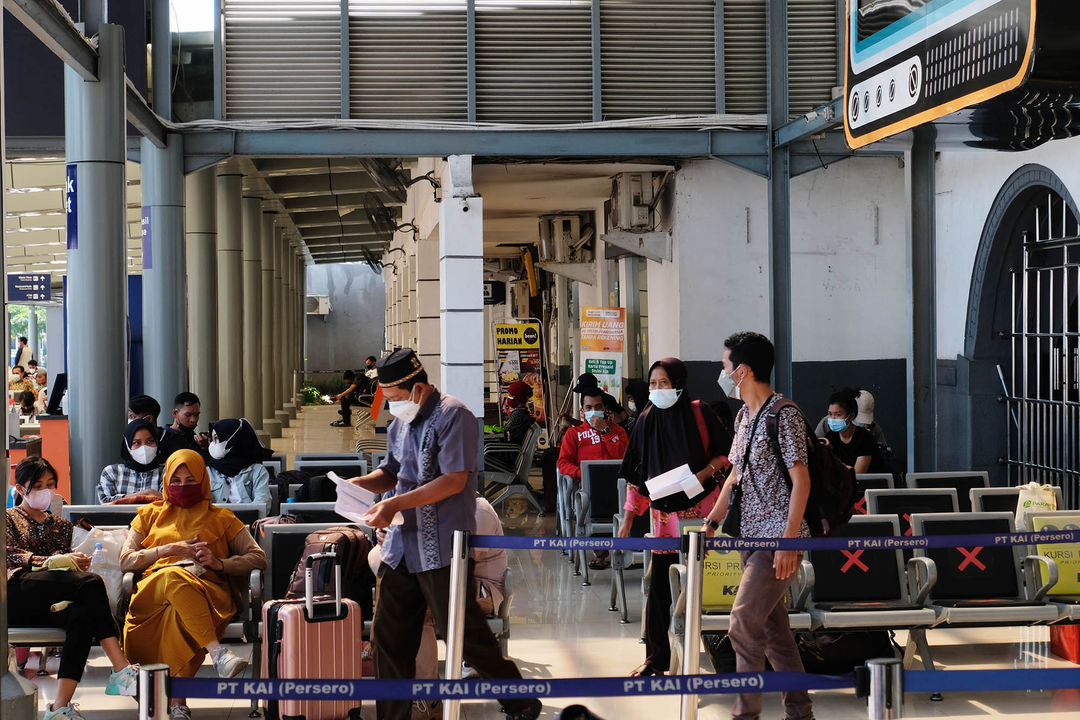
pixel 765 492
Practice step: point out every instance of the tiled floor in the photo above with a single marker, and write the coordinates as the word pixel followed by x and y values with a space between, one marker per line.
pixel 562 629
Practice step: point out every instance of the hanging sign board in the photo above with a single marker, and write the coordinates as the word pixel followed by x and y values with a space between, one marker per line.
pixel 603 337
pixel 29 288
pixel 1066 555
pixel 908 63
pixel 518 356
pixel 71 206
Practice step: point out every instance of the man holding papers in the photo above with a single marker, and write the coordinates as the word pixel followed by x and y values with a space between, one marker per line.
pixel 431 465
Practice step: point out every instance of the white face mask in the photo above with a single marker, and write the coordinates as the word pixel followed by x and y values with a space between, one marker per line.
pixel 664 398
pixel 144 454
pixel 39 500
pixel 220 448
pixel 404 410
pixel 16 377
pixel 631 406
pixel 728 385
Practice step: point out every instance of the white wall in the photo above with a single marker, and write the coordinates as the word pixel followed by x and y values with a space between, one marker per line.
pixel 848 281
pixel 967 183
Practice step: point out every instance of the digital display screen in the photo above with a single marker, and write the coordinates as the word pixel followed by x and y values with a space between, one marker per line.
pixel 876 15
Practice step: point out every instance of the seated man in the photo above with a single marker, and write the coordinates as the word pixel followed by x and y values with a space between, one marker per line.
pixel 852 444
pixel 19 382
pixel 41 401
pixel 864 419
pixel 347 398
pixel 26 399
pixel 185 419
pixel 521 418
pixel 597 438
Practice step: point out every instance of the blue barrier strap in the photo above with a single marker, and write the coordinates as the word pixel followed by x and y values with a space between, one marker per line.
pixel 910 542
pixel 329 689
pixel 969 680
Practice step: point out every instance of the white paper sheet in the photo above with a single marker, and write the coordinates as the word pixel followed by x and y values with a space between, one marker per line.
pixel 679 479
pixel 353 501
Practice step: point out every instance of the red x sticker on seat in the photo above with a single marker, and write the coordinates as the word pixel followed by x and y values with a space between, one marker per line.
pixel 860 507
pixel 853 559
pixel 907 519
pixel 971 558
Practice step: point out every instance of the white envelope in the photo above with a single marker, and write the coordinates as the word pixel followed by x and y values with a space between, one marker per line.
pixel 353 501
pixel 679 479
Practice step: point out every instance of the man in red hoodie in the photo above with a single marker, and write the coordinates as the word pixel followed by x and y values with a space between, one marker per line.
pixel 597 438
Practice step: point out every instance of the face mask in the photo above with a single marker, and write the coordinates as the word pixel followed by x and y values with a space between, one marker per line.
pixel 404 410
pixel 728 385
pixel 664 398
pixel 185 495
pixel 39 500
pixel 219 449
pixel 143 454
pixel 631 406
pixel 591 415
pixel 837 424
pixel 16 377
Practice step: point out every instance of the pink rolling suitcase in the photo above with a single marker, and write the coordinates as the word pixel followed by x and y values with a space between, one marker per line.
pixel 313 639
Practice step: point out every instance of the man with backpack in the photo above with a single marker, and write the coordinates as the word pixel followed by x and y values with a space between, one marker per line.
pixel 768 503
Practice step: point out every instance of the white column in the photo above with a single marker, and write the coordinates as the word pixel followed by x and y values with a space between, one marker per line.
pixel 280 357
pixel 428 320
pixel 230 340
pixel 251 253
pixel 201 233
pixel 461 251
pixel 266 375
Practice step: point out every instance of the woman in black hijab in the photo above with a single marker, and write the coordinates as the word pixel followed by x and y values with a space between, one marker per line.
pixel 671 431
pixel 237 474
pixel 137 477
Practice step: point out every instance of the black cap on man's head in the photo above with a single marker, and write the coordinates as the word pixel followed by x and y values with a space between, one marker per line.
pixel 398 367
pixel 587 382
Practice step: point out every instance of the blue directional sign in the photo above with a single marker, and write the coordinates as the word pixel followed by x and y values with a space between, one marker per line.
pixel 71 206
pixel 29 288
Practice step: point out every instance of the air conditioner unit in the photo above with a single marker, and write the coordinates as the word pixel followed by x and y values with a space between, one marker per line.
pixel 631 201
pixel 558 235
pixel 317 304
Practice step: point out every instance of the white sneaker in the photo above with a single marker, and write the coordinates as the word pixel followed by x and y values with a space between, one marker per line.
pixel 227 663
pixel 67 712
pixel 179 712
pixel 123 682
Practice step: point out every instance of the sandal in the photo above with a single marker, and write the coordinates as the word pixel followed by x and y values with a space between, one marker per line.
pixel 599 564
pixel 339 423
pixel 646 669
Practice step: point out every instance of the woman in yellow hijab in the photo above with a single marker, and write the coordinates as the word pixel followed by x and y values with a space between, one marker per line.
pixel 186 548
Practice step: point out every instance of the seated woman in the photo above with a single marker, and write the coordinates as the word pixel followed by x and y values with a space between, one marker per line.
pixel 137 477
pixel 237 474
pixel 854 445
pixel 187 550
pixel 48 585
pixel 27 408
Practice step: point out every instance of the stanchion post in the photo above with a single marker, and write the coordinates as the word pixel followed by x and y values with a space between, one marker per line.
pixel 886 699
pixel 691 656
pixel 455 630
pixel 153 692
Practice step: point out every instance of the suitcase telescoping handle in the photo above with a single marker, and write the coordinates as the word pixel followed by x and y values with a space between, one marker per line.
pixel 309 581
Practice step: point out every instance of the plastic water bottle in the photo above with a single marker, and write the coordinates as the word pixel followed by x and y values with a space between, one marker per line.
pixel 97 559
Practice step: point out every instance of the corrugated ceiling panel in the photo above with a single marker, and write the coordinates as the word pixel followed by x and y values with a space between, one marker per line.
pixel 408 60
pixel 282 58
pixel 812 53
pixel 745 78
pixel 658 58
pixel 533 62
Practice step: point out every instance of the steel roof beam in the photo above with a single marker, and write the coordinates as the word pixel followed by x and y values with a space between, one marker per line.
pixel 337 183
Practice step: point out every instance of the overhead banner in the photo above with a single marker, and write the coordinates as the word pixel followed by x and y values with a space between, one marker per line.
pixel 908 63
pixel 603 337
pixel 519 357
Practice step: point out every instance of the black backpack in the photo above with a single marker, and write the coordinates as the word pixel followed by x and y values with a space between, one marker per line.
pixel 832 483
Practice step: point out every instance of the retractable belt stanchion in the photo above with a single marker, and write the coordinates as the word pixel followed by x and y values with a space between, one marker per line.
pixel 455 627
pixel 691 656
pixel 886 697
pixel 153 692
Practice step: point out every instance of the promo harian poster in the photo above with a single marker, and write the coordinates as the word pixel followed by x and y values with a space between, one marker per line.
pixel 519 357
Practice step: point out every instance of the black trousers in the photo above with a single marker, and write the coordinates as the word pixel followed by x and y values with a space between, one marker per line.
pixel 87 620
pixel 347 403
pixel 404 597
pixel 658 612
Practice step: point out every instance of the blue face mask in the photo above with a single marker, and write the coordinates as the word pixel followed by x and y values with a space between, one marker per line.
pixel 591 415
pixel 837 424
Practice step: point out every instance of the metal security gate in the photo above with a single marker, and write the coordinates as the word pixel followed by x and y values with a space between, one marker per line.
pixel 1044 422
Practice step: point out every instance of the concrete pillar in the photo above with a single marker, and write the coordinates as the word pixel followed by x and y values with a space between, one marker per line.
pixel 201 230
pixel 287 355
pixel 280 355
pixel 95 142
pixel 630 298
pixel 165 361
pixel 230 331
pixel 922 369
pixel 461 249
pixel 270 424
pixel 32 335
pixel 428 321
pixel 252 284
pixel 301 317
